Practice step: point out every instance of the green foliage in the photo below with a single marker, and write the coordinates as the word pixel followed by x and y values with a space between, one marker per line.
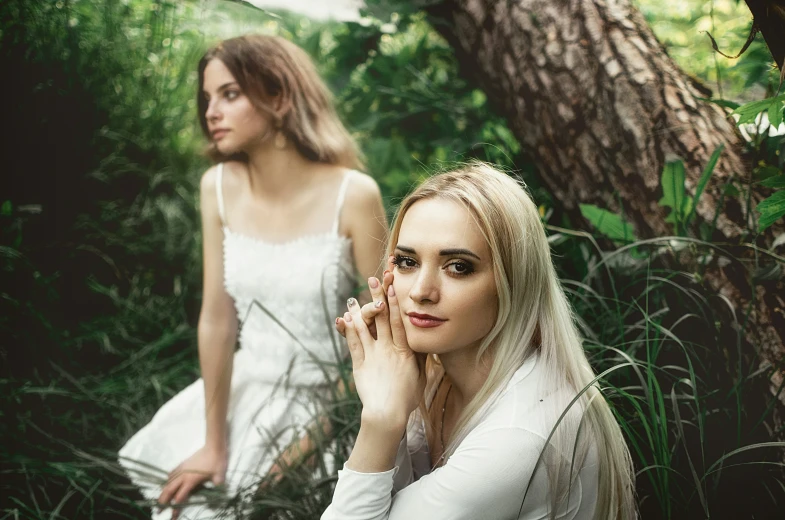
pixel 772 106
pixel 771 209
pixel 673 193
pixel 609 224
pixel 101 286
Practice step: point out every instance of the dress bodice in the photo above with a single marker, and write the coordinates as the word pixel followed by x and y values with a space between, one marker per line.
pixel 287 296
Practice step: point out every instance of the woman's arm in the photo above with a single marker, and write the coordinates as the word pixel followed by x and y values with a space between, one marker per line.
pixel 365 222
pixel 217 320
pixel 487 478
pixel 217 335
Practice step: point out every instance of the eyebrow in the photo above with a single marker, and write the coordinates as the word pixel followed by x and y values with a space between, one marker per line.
pixel 443 252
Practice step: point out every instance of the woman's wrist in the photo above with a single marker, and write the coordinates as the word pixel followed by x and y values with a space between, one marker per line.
pixel 384 422
pixel 217 446
pixel 376 446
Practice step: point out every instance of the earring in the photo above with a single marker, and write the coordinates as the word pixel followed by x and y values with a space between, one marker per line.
pixel 280 140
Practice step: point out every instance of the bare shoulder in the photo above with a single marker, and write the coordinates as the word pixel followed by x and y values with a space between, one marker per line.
pixel 362 191
pixel 233 174
pixel 207 184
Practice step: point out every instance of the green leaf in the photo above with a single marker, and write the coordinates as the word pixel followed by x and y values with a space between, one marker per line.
pixel 673 176
pixel 775 112
pixel 771 210
pixel 704 180
pixel 766 171
pixel 721 102
pixel 609 224
pixel 6 209
pixel 747 113
pixel 774 182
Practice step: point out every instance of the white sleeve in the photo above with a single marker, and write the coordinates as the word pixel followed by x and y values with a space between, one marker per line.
pixel 486 477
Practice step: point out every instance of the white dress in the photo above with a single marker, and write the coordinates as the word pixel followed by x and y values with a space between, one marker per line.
pixel 488 474
pixel 286 296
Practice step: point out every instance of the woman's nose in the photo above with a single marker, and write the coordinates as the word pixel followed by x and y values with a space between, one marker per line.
pixel 426 287
pixel 212 113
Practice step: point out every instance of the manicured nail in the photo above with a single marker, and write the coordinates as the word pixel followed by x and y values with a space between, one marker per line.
pixel 390 291
pixel 373 283
pixel 347 317
pixel 336 321
pixel 378 304
pixel 351 302
pixel 386 272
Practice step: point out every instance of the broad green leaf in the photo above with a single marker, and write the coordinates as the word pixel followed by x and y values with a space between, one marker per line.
pixel 704 180
pixel 6 209
pixel 766 171
pixel 673 190
pixel 747 113
pixel 771 210
pixel 774 182
pixel 609 224
pixel 775 112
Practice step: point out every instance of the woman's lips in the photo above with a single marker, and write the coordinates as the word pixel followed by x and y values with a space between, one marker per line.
pixel 219 134
pixel 425 321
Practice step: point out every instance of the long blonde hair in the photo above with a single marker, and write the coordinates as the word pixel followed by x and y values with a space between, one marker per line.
pixel 270 67
pixel 534 314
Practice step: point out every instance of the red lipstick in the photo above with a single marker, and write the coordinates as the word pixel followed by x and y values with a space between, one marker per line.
pixel 425 321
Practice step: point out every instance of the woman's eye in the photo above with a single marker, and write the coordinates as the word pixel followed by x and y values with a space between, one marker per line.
pixel 231 94
pixel 460 268
pixel 404 262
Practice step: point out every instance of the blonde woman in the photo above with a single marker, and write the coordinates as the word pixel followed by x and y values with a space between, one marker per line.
pixel 287 221
pixel 477 364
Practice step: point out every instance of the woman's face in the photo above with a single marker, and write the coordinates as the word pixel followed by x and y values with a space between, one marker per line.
pixel 444 278
pixel 234 123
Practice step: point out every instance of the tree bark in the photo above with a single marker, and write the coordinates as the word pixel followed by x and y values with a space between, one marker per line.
pixel 600 107
pixel 769 15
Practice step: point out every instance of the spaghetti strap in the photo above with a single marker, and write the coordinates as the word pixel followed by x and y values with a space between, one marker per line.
pixel 341 197
pixel 220 193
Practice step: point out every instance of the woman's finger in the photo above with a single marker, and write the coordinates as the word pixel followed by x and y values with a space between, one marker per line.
pixel 340 326
pixel 372 309
pixel 168 491
pixel 189 484
pixel 356 350
pixel 381 320
pixel 359 325
pixel 396 320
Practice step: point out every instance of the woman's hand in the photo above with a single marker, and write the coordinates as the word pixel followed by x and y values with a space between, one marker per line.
pixel 206 465
pixel 370 309
pixel 386 371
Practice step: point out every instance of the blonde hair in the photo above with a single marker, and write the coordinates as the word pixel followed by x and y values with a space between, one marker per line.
pixel 271 68
pixel 533 313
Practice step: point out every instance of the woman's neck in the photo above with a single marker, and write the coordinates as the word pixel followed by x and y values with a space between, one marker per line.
pixel 466 375
pixel 278 173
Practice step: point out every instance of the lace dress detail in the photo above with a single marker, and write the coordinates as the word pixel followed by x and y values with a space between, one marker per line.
pixel 287 296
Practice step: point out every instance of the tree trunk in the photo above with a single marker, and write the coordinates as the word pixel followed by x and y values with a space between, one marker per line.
pixel 769 16
pixel 599 105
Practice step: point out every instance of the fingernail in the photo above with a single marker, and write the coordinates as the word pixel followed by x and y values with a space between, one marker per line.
pixel 336 320
pixel 347 317
pixel 351 302
pixel 373 283
pixel 378 304
pixel 390 291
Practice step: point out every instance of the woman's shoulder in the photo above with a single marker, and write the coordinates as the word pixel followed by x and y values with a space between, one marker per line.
pixel 232 173
pixel 528 401
pixel 361 188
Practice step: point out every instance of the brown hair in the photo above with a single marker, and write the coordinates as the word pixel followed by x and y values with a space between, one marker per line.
pixel 270 67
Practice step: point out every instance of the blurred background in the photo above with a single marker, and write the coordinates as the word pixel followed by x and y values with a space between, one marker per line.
pixel 100 258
